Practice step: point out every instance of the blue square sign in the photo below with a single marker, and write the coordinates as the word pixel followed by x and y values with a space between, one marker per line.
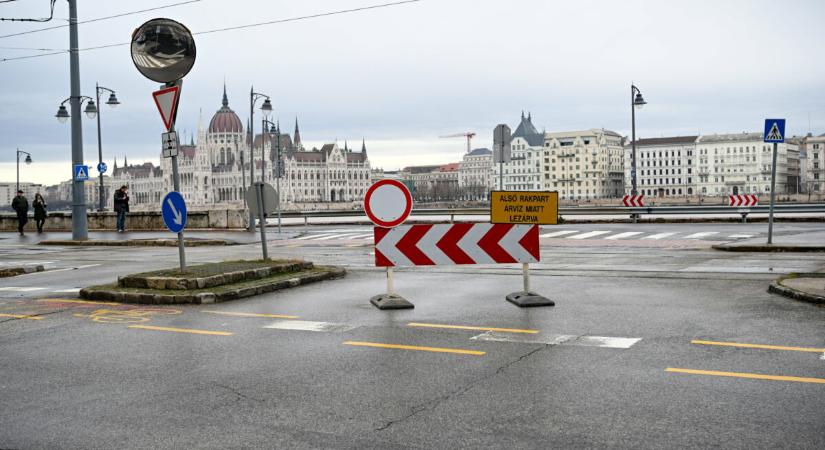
pixel 774 130
pixel 81 172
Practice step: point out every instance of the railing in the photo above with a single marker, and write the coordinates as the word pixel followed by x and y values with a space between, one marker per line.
pixel 805 208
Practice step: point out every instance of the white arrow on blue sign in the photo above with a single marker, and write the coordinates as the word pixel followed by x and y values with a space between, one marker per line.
pixel 173 208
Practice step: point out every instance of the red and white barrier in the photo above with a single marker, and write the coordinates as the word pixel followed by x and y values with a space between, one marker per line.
pixel 633 200
pixel 462 243
pixel 744 200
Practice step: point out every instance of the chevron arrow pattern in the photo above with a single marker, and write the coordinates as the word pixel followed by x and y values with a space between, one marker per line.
pixel 461 243
pixel 633 200
pixel 744 200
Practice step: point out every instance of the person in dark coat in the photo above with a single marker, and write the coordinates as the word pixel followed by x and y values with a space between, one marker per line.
pixel 21 207
pixel 121 207
pixel 39 211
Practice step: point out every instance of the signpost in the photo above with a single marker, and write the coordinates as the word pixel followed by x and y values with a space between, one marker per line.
pixel 163 51
pixel 775 134
pixel 262 200
pixel 81 172
pixel 525 207
pixel 388 203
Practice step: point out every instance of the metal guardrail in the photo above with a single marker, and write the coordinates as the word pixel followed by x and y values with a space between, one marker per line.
pixel 806 208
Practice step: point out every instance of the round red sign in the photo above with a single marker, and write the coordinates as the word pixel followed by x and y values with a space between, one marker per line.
pixel 388 203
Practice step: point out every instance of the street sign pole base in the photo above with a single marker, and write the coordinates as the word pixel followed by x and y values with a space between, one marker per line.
pixel 529 299
pixel 391 301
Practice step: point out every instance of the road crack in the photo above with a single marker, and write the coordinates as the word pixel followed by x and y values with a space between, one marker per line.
pixel 434 403
pixel 238 393
pixel 28 315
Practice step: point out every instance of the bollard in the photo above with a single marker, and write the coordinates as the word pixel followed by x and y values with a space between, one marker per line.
pixel 528 298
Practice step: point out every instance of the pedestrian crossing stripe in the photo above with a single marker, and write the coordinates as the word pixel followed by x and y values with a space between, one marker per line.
pixel 614 235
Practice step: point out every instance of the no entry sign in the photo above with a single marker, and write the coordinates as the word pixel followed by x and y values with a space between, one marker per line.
pixel 388 203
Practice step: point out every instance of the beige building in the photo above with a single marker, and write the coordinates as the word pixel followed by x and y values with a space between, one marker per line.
pixel 475 174
pixel 815 164
pixel 664 166
pixel 583 165
pixel 432 183
pixel 9 190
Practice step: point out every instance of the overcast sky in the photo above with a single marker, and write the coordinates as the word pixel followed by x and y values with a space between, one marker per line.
pixel 401 76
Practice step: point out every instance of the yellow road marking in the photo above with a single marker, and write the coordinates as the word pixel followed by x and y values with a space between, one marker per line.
pixel 765 347
pixel 181 330
pixel 21 316
pixel 85 302
pixel 240 314
pixel 465 327
pixel 414 347
pixel 755 376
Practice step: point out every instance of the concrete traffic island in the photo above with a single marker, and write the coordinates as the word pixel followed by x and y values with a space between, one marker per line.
pixel 211 283
pixel 806 287
pixel 138 242
pixel 769 248
pixel 22 270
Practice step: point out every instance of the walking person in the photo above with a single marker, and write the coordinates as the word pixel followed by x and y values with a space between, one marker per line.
pixel 21 206
pixel 39 211
pixel 121 207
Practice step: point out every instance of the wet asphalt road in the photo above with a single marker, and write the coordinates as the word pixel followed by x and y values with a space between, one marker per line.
pixel 631 356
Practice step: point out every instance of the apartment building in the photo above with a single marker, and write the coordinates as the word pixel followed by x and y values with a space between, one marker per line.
pixel 583 165
pixel 664 166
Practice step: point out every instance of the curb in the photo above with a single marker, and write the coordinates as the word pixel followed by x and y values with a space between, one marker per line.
pixel 14 271
pixel 765 248
pixel 776 287
pixel 140 243
pixel 329 273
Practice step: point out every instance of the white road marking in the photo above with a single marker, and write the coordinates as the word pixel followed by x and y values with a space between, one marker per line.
pixel 626 234
pixel 559 339
pixel 362 236
pixel 20 289
pixel 67 291
pixel 313 236
pixel 334 236
pixel 306 325
pixel 658 236
pixel 589 234
pixel 701 235
pixel 740 236
pixel 69 268
pixel 558 233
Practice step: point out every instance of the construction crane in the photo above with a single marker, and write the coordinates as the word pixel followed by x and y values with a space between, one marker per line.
pixel 468 134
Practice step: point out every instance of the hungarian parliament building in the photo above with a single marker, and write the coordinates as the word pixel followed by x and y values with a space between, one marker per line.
pixel 215 171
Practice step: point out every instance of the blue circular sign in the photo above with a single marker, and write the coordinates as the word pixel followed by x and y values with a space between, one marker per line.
pixel 174 211
pixel 102 167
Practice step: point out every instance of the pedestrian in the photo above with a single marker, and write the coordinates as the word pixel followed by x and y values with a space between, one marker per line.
pixel 121 207
pixel 21 207
pixel 39 211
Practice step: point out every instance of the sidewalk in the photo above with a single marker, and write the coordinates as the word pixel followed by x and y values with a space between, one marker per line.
pixel 800 242
pixel 807 287
pixel 113 238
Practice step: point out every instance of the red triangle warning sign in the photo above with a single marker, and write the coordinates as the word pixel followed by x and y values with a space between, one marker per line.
pixel 166 100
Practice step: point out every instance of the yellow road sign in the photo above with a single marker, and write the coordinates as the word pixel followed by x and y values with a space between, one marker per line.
pixel 529 207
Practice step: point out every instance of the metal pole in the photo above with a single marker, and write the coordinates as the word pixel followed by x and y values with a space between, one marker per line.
pixel 99 149
pixel 501 160
pixel 243 175
pixel 633 140
pixel 773 194
pixel 79 227
pixel 176 186
pixel 264 134
pixel 18 172
pixel 259 188
pixel 525 268
pixel 278 173
pixel 251 130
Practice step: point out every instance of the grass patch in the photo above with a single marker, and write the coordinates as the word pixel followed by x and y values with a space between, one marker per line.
pixel 212 269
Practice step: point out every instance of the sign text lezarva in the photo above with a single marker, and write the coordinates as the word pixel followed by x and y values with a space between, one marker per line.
pixel 534 207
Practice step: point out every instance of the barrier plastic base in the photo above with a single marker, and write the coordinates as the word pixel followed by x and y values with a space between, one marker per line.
pixel 391 301
pixel 529 299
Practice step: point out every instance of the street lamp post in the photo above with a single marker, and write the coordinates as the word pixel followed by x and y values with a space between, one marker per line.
pixel 79 227
pixel 111 102
pixel 636 101
pixel 275 128
pixel 28 161
pixel 266 109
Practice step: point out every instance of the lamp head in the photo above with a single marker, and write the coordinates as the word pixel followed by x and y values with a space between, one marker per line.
pixel 112 100
pixel 28 159
pixel 62 114
pixel 639 101
pixel 91 109
pixel 266 108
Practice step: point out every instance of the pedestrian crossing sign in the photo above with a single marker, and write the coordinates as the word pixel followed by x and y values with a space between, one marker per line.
pixel 81 172
pixel 774 130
